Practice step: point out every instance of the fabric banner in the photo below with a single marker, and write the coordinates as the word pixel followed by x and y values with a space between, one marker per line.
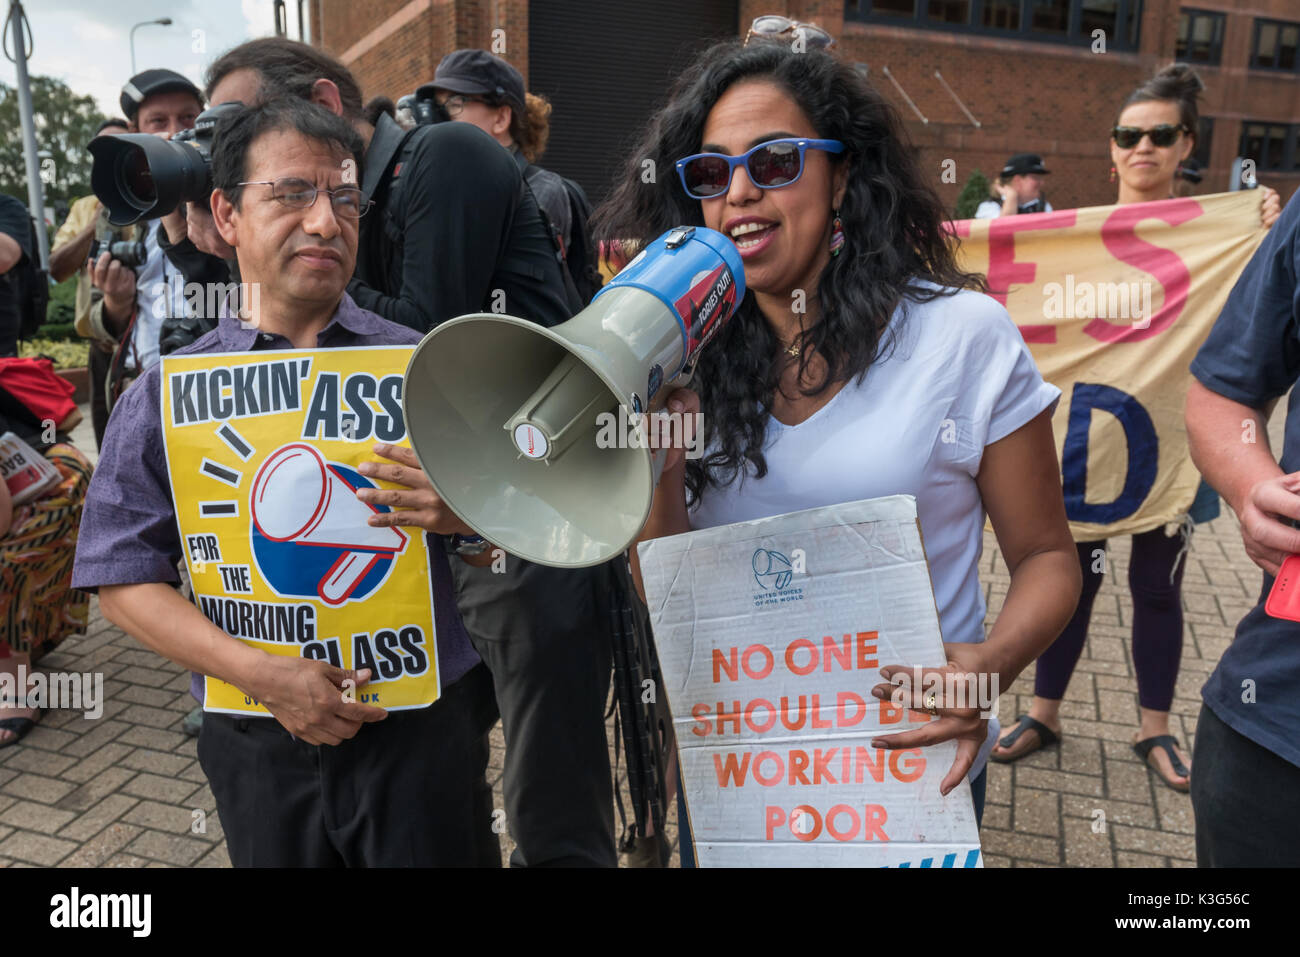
pixel 1114 302
pixel 262 451
pixel 770 635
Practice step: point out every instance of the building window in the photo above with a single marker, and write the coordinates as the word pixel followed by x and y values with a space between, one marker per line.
pixel 1204 139
pixel 1072 22
pixel 1266 144
pixel 1002 14
pixel 1275 45
pixel 894 8
pixel 1099 15
pixel 1200 37
pixel 1050 16
pixel 950 11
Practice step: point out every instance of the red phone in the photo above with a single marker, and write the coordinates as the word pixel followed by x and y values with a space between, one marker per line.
pixel 1284 597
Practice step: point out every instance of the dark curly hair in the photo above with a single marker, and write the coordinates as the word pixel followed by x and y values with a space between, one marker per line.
pixel 894 222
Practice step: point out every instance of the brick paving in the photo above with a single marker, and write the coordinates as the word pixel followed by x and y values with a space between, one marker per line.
pixel 126 790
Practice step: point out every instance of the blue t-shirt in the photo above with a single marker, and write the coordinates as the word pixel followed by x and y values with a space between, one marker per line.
pixel 1253 356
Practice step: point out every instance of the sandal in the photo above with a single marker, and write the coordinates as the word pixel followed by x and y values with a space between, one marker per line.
pixel 18 727
pixel 1046 738
pixel 1165 742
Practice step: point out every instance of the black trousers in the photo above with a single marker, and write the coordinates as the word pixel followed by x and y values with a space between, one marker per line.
pixel 544 634
pixel 1246 800
pixel 98 364
pixel 408 791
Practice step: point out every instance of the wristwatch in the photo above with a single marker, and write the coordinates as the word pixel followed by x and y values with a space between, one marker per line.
pixel 467 544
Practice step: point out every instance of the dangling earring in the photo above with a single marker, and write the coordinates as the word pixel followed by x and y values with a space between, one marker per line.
pixel 1112 174
pixel 837 234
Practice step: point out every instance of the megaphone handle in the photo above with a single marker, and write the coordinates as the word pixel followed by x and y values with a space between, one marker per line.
pixel 337 583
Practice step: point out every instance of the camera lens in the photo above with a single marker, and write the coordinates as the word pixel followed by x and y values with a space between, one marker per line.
pixel 135 178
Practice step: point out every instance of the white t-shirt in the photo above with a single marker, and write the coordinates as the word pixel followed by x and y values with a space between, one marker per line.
pixel 992 209
pixel 159 293
pixel 959 377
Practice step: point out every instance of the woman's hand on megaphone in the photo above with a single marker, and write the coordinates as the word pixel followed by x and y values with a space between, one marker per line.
pixel 417 504
pixel 682 406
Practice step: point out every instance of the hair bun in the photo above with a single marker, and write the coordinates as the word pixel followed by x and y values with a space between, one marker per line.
pixel 1181 80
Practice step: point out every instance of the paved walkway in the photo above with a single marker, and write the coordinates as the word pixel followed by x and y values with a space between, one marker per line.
pixel 127 791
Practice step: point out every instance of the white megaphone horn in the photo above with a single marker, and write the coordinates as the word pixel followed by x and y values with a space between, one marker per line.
pixel 297 497
pixel 504 415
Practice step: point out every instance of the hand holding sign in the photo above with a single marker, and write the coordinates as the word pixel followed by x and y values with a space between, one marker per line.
pixel 307 697
pixel 1270 207
pixel 951 694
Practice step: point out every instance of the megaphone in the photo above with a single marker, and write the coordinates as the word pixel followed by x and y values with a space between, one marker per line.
pixel 505 415
pixel 298 497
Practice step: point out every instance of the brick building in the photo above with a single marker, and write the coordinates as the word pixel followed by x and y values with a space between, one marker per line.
pixel 976 80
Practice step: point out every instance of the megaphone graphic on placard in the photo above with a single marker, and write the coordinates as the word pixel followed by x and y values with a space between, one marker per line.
pixel 298 497
pixel 504 415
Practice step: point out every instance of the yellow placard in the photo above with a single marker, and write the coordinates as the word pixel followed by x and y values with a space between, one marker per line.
pixel 1114 302
pixel 262 451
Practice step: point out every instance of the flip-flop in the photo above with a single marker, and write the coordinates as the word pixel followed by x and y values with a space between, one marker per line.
pixel 1165 742
pixel 1046 738
pixel 18 727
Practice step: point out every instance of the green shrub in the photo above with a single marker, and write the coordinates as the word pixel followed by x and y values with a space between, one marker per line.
pixel 62 312
pixel 66 355
pixel 973 193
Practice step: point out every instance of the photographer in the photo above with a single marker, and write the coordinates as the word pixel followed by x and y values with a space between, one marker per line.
pixel 473 86
pixel 87 224
pixel 138 297
pixel 455 231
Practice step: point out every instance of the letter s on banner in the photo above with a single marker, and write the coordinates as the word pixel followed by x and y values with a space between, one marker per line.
pixel 1165 265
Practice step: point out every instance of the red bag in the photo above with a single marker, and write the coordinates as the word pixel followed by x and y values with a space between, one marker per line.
pixel 32 381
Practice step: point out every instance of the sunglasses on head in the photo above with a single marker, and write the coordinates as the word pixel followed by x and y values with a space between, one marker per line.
pixel 773 26
pixel 1127 137
pixel 770 165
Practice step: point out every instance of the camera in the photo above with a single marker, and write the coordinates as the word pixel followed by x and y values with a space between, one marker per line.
pixel 130 253
pixel 424 110
pixel 141 176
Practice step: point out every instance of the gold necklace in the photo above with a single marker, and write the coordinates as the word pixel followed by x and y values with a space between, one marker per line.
pixel 792 351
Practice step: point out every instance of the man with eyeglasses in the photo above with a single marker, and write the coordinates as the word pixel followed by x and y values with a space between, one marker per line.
pixel 327 781
pixel 454 231
pixel 1020 188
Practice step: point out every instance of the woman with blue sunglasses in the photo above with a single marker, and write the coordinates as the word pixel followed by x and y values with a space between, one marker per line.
pixel 862 361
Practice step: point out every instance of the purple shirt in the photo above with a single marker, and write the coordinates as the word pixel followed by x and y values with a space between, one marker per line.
pixel 128 531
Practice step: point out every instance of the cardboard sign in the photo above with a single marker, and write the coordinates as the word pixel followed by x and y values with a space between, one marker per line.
pixel 1114 302
pixel 262 450
pixel 771 635
pixel 24 471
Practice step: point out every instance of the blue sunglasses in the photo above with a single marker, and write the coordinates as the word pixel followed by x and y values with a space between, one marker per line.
pixel 770 165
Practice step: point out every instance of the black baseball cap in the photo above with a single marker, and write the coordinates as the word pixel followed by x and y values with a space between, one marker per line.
pixel 477 72
pixel 112 121
pixel 1024 163
pixel 150 82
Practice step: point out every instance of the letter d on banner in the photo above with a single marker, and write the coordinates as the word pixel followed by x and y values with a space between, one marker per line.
pixel 1143 454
